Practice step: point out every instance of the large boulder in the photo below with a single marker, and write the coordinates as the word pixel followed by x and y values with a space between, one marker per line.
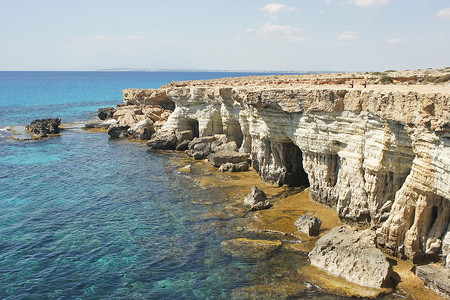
pixel 352 254
pixel 105 113
pixel 230 167
pixel 118 131
pixel 250 249
pixel 43 127
pixel 435 278
pixel 102 124
pixel 163 139
pixel 222 157
pixel 143 130
pixel 308 224
pixel 257 199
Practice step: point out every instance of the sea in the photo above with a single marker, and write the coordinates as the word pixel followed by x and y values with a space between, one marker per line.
pixel 83 216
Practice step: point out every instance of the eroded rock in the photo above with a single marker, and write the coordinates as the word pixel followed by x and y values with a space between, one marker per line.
pixel 143 130
pixel 223 157
pixel 118 131
pixel 435 278
pixel 43 127
pixel 164 140
pixel 105 113
pixel 352 254
pixel 309 225
pixel 230 167
pixel 257 199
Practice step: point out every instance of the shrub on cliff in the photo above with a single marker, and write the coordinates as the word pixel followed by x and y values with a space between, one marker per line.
pixel 386 79
pixel 444 78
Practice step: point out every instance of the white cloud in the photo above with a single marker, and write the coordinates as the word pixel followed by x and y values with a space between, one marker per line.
pixel 361 3
pixel 274 31
pixel 444 13
pixel 275 8
pixel 348 36
pixel 395 41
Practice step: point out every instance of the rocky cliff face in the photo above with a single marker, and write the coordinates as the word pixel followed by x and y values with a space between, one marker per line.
pixel 380 155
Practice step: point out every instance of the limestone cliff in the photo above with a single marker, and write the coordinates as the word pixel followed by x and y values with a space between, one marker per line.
pixel 379 154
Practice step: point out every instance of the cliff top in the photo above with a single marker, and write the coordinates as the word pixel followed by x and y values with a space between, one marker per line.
pixel 421 81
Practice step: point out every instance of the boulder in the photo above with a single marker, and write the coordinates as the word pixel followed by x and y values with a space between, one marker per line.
pixel 105 113
pixel 199 150
pixel 183 146
pixel 308 224
pixel 435 278
pixel 239 167
pixel 163 139
pixel 43 127
pixel 257 199
pixel 250 249
pixel 185 135
pixel 447 261
pixel 222 157
pixel 102 124
pixel 228 146
pixel 143 130
pixel 118 131
pixel 352 254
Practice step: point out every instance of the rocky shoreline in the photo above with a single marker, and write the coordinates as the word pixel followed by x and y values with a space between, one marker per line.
pixel 378 153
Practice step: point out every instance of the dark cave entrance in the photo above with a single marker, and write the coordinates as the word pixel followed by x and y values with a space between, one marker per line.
pixel 293 162
pixel 192 124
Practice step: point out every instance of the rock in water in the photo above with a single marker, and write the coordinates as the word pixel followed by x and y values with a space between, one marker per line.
pixel 105 113
pixel 164 140
pixel 250 249
pixel 222 157
pixel 351 254
pixel 43 127
pixel 257 199
pixel 435 278
pixel 118 131
pixel 308 224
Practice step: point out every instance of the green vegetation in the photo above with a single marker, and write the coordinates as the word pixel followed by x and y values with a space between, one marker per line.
pixel 387 71
pixel 430 78
pixel 386 79
pixel 378 73
pixel 444 78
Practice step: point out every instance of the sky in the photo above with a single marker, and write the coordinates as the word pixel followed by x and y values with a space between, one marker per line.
pixel 291 35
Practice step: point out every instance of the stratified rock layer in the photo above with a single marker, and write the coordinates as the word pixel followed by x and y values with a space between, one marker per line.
pixel 379 154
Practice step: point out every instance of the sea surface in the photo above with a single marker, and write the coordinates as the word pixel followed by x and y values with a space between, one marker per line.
pixel 83 216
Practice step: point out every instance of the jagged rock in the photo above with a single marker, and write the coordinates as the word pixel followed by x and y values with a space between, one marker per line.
pixel 105 113
pixel 183 136
pixel 230 167
pixel 250 249
pixel 222 157
pixel 257 199
pixel 447 261
pixel 142 130
pixel 118 131
pixel 308 224
pixel 435 278
pixel 148 97
pixel 43 127
pixel 183 146
pixel 351 254
pixel 102 124
pixel 164 140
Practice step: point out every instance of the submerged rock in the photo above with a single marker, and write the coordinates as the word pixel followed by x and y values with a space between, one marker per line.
pixel 308 224
pixel 351 254
pixel 43 127
pixel 283 290
pixel 435 278
pixel 251 249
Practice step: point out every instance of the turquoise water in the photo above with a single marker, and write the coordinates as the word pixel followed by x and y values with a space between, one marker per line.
pixel 86 217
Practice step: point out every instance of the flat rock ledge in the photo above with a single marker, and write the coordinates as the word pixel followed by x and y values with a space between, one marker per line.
pixel 435 278
pixel 249 249
pixel 352 255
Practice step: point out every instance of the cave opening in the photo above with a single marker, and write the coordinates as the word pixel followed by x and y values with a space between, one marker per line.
pixel 192 124
pixel 234 131
pixel 292 157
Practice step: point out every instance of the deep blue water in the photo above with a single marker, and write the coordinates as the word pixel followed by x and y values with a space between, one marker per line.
pixel 86 217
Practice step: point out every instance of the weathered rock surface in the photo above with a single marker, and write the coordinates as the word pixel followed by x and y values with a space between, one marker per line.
pixel 352 254
pixel 257 199
pixel 43 127
pixel 230 167
pixel 142 130
pixel 309 225
pixel 223 157
pixel 378 153
pixel 283 290
pixel 435 278
pixel 105 113
pixel 102 124
pixel 250 249
pixel 164 140
pixel 118 131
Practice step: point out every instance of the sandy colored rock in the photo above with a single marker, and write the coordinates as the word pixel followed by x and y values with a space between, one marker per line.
pixel 435 278
pixel 352 254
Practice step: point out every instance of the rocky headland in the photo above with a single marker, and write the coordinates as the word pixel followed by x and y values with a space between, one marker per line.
pixel 374 146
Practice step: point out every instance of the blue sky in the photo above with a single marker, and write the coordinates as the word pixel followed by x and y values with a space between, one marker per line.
pixel 344 35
